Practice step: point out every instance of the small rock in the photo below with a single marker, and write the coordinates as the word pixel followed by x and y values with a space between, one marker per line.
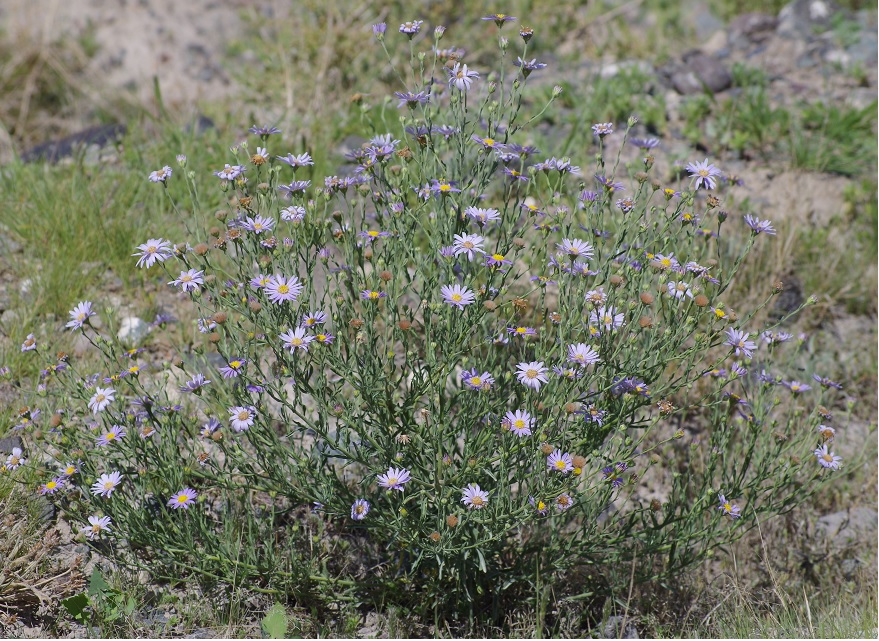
pixel 613 69
pixel 700 72
pixel 6 444
pixel 201 633
pixel 132 330
pixel 865 50
pixel 717 45
pixel 53 151
pixel 804 18
pixel 840 529
pixel 752 27
pixel 613 629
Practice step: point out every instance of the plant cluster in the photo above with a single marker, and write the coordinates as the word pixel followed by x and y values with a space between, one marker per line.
pixel 469 355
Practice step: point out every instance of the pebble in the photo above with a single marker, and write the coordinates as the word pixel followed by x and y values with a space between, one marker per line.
pixel 132 330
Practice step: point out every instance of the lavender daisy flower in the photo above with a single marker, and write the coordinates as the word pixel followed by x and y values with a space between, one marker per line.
pixel 378 30
pixel 704 173
pixel 497 260
pixel 457 296
pixel 469 244
pixel 372 234
pixel 759 226
pixel 210 427
pixel 482 216
pixel 532 374
pixel 234 368
pixel 359 509
pixel 738 340
pixel 394 479
pixel 194 384
pixel 183 499
pixel 411 100
pixel 487 143
pixel 827 459
pixel 295 187
pixel 521 331
pixel 230 172
pixel 625 205
pixel 539 506
pixel 96 526
pixel 478 382
pixel 796 386
pixel 529 66
pixel 105 485
pixel 602 129
pixel 679 289
pixel 607 318
pixel 160 175
pixel 189 281
pixel 241 418
pixel 80 315
pixel 15 460
pixel 111 436
pixel 302 160
pixel 69 469
pixel 101 399
pixel 461 77
pixel 474 497
pixel 498 18
pixel 727 508
pixel 575 248
pixel 281 289
pixel 411 28
pixel 826 382
pixel 50 487
pixel 264 131
pixel 293 214
pixel 371 294
pixel 563 502
pixel 296 339
pixel 582 355
pixel 258 225
pixel 155 249
pixel 326 339
pixel 519 422
pixel 443 187
pixel 313 318
pixel 613 474
pixel 559 461
pixel 644 143
pixel 609 184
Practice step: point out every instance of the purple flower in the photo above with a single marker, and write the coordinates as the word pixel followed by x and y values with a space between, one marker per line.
pixel 476 381
pixel 50 487
pixel 302 160
pixel 194 384
pixel 443 187
pixel 796 386
pixel 111 436
pixel 498 18
pixel 295 187
pixel 759 226
pixel 234 368
pixel 704 173
pixel 457 296
pixel 155 249
pixel 378 30
pixel 264 131
pixel 728 509
pixel 644 143
pixel 241 418
pixel 469 244
pixel 281 289
pixel 230 172
pixel 594 415
pixel 258 225
pixel 575 248
pixel 105 485
pixel 296 339
pixel 582 355
pixel 370 294
pixel 359 509
pixel 161 175
pixel 482 216
pixel 101 399
pixel 519 422
pixel 96 525
pixel 411 28
pixel 602 129
pixel 183 499
pixel 80 315
pixel 497 260
pixel 411 100
pixel 394 479
pixel 738 340
pixel 529 66
pixel 609 184
pixel 531 374
pixel 474 497
pixel 827 459
pixel 559 461
pixel 189 281
pixel 826 382
pixel 461 77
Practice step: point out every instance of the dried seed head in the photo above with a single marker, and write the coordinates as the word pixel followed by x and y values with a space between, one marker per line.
pixel 367 253
pixel 405 153
pixel 518 242
pixel 777 287
pixel 201 249
pixel 616 280
pixel 647 298
pixel 404 324
pixel 713 201
pixel 570 408
pixel 665 407
pixel 255 306
pixel 219 318
pixel 220 214
pixel 356 323
pixel 490 305
pixel 435 537
pixel 215 232
pixel 520 304
pixel 356 98
pixel 217 437
pixel 645 322
pixel 55 421
pixel 546 448
pixel 579 461
pixel 215 337
pixel 451 520
pixel 655 505
pixel 795 460
pixel 386 276
pixel 701 300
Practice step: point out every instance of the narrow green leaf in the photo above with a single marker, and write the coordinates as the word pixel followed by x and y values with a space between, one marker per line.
pixel 275 622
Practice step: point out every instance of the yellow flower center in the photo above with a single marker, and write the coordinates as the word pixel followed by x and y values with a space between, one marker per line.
pixel 373 295
pixel 392 480
pixel 243 416
pixel 457 298
pixel 235 364
pixel 531 373
pixel 519 424
pixel 541 505
pixel 110 436
pixel 296 341
pixel 283 289
pixel 183 498
pixel 108 485
pixel 477 501
pixel 560 465
pixel 51 485
pixel 498 257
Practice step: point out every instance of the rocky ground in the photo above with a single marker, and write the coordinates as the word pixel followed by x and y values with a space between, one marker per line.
pixel 808 51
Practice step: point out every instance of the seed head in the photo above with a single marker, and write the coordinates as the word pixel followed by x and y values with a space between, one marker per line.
pixel 645 322
pixel 451 520
pixel 701 300
pixel 646 298
pixel 404 324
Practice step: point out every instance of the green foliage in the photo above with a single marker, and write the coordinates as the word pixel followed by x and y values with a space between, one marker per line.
pixel 274 624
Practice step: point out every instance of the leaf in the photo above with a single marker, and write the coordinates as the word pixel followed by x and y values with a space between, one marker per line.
pixel 97 583
pixel 76 605
pixel 275 622
pixel 129 607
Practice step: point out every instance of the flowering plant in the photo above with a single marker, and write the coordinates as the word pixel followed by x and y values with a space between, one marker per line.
pixel 472 358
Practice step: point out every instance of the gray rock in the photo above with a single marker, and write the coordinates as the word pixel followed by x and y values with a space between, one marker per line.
pixel 132 330
pixel 752 27
pixel 613 629
pixel 847 527
pixel 7 443
pixel 52 151
pixel 700 72
pixel 804 18
pixel 202 633
pixel 615 68
pixel 865 50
